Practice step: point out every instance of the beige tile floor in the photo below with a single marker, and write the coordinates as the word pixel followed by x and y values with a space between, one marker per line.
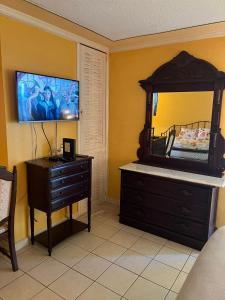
pixel 112 262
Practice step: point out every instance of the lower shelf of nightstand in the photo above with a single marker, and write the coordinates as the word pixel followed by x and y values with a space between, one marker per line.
pixel 60 232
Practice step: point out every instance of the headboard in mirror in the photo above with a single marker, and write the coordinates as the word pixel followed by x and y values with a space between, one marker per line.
pixel 182 120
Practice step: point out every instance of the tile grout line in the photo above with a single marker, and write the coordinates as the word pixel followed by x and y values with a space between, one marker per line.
pixel 12 281
pixel 44 286
pixel 111 263
pixel 102 286
pixel 164 245
pixel 23 271
pixel 38 292
pixel 43 283
pixel 139 275
pixel 26 272
pixel 114 263
pixel 130 270
pixel 71 268
pixel 87 277
pixel 47 289
pixel 177 278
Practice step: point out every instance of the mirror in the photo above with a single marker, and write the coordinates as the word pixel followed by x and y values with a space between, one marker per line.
pixel 181 124
pixel 182 119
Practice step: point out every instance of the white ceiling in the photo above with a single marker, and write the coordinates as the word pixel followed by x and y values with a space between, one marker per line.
pixel 121 19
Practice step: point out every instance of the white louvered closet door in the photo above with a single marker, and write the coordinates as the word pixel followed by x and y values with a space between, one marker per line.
pixel 92 127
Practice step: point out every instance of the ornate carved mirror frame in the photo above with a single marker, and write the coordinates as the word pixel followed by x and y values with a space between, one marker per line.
pixel 182 74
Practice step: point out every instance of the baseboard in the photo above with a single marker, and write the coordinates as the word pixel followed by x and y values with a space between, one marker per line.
pixel 26 242
pixel 76 215
pixel 114 201
pixel 22 244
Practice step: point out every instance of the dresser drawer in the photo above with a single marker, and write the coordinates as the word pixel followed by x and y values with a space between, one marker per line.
pixel 166 187
pixel 69 199
pixel 169 222
pixel 69 190
pixel 56 183
pixel 70 169
pixel 190 208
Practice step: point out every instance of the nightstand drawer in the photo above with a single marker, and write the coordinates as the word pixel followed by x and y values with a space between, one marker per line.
pixel 69 190
pixel 67 170
pixel 69 199
pixel 68 180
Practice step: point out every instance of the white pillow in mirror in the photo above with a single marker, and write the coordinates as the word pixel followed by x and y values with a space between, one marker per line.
pixel 187 133
pixel 203 134
pixel 3 228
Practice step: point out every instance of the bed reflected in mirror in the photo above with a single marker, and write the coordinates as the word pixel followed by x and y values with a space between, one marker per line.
pixel 181 124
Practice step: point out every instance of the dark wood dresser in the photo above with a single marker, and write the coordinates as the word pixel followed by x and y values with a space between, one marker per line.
pixel 179 210
pixel 55 185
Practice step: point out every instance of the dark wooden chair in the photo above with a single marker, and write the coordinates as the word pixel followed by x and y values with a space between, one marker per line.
pixel 8 183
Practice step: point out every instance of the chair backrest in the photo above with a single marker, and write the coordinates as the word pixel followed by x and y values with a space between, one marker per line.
pixel 7 194
pixel 170 142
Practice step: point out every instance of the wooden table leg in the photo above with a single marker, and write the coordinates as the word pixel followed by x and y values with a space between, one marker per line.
pixel 89 214
pixel 32 224
pixel 71 212
pixel 89 195
pixel 49 226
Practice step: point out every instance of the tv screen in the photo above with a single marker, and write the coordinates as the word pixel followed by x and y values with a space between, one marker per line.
pixel 43 98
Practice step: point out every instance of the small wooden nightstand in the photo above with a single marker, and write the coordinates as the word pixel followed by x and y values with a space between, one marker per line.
pixel 53 185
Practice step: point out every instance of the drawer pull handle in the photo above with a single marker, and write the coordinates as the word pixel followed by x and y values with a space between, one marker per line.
pixel 140 182
pixel 186 193
pixel 180 205
pixel 184 225
pixel 185 210
pixel 139 198
pixel 139 213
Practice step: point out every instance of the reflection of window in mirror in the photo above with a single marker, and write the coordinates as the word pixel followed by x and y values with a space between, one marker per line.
pixel 189 114
pixel 154 103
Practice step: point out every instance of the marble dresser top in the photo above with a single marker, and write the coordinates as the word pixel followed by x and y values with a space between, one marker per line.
pixel 174 174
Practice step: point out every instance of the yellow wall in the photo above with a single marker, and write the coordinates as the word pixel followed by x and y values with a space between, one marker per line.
pixel 51 18
pixel 127 100
pixel 3 140
pixel 29 49
pixel 181 109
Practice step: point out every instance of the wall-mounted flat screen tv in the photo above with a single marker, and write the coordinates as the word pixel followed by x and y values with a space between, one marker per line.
pixel 43 98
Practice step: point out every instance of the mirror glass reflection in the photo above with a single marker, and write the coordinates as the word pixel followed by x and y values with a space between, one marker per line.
pixel 181 124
